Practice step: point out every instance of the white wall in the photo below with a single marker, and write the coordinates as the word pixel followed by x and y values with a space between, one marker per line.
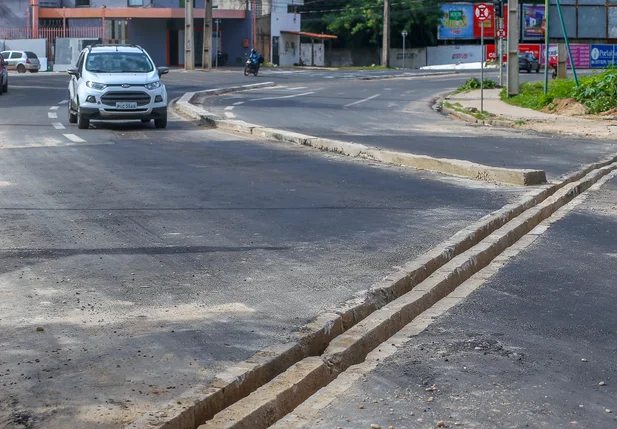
pixel 289 50
pixel 414 58
pixel 306 53
pixel 38 46
pixel 284 22
pixel 438 55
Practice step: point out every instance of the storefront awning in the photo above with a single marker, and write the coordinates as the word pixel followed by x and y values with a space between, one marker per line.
pixel 312 35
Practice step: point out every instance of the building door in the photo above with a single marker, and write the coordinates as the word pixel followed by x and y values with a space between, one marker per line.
pixel 275 50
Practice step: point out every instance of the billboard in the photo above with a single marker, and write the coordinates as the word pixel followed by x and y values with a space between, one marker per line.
pixel 457 20
pixel 533 21
pixel 602 56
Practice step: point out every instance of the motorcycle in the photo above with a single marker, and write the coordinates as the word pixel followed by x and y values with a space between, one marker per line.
pixel 251 67
pixel 553 65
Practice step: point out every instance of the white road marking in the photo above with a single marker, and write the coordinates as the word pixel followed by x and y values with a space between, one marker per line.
pixel 229 108
pixel 237 103
pixel 74 138
pixel 297 89
pixel 363 100
pixel 54 107
pixel 58 125
pixel 283 96
pixel 229 115
pixel 64 102
pixel 52 115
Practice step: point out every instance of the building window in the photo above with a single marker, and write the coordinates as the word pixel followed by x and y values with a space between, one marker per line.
pixel 82 3
pixel 136 3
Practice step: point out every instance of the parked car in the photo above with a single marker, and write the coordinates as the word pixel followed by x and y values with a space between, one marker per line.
pixel 4 76
pixel 528 61
pixel 22 61
pixel 116 82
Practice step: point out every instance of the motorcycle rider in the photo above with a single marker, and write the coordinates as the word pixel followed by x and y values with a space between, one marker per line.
pixel 254 57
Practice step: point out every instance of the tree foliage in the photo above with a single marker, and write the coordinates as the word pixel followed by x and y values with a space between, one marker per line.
pixel 360 22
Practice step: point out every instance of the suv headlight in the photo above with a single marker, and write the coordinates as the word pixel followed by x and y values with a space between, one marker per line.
pixel 153 85
pixel 96 85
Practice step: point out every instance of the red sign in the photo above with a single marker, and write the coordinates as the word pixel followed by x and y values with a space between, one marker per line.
pixel 501 33
pixel 534 49
pixel 491 54
pixel 489 24
pixel 482 12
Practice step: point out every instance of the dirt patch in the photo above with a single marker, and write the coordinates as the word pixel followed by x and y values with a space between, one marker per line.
pixel 566 107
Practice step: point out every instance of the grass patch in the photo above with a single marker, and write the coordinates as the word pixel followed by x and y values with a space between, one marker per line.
pixel 531 94
pixel 459 108
pixel 598 93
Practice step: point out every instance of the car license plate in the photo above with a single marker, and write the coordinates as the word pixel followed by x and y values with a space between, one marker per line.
pixel 126 105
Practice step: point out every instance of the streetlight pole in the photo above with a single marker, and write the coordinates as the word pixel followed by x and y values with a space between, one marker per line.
pixel 404 34
pixel 218 41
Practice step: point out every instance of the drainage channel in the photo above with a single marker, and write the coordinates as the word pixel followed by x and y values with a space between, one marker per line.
pixel 262 390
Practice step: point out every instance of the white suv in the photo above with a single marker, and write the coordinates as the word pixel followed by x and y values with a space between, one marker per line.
pixel 116 82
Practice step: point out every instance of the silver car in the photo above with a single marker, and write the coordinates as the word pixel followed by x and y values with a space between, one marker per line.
pixel 22 61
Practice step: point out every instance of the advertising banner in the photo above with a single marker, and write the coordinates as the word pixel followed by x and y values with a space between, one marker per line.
pixel 602 56
pixel 533 48
pixel 580 54
pixel 489 24
pixel 457 21
pixel 533 21
pixel 491 53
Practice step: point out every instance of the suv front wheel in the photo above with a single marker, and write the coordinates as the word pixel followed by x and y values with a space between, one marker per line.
pixel 161 122
pixel 72 116
pixel 82 123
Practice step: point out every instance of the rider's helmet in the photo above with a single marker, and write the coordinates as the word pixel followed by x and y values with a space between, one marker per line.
pixel 253 51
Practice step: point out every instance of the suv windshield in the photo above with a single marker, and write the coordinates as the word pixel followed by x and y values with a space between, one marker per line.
pixel 118 62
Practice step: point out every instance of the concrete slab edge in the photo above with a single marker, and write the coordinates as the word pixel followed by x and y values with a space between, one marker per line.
pixel 452 167
pixel 260 409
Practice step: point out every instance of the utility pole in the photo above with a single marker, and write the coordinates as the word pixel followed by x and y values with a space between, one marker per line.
pixel 513 72
pixel 218 41
pixel 404 34
pixel 189 52
pixel 385 49
pixel 206 62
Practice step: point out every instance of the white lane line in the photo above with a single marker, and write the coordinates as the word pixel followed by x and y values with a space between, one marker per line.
pixel 74 138
pixel 229 115
pixel 64 102
pixel 58 125
pixel 237 103
pixel 284 96
pixel 229 108
pixel 54 107
pixel 52 115
pixel 363 100
pixel 297 89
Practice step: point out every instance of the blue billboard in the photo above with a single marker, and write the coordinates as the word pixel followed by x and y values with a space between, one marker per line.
pixel 456 21
pixel 602 56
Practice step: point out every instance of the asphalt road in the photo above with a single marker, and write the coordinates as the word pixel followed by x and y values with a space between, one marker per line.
pixel 152 259
pixel 397 115
pixel 534 347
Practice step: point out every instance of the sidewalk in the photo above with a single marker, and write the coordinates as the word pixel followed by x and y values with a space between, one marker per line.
pixel 532 347
pixel 605 128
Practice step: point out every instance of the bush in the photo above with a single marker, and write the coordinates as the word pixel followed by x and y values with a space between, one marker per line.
pixel 474 83
pixel 598 92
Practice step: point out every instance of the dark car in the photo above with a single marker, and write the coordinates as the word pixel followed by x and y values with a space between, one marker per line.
pixel 4 76
pixel 528 61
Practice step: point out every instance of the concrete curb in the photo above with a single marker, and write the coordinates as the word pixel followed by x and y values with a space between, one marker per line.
pixel 405 75
pixel 203 403
pixel 472 119
pixel 451 167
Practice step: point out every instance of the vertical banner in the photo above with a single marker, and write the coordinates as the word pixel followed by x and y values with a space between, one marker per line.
pixel 457 21
pixel 534 24
pixel 489 24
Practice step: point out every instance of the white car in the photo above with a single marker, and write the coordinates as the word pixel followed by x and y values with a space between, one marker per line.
pixel 116 82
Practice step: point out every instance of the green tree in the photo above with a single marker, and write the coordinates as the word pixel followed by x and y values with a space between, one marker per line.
pixel 360 22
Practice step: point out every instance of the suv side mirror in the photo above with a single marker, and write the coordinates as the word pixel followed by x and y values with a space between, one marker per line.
pixel 73 72
pixel 163 70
